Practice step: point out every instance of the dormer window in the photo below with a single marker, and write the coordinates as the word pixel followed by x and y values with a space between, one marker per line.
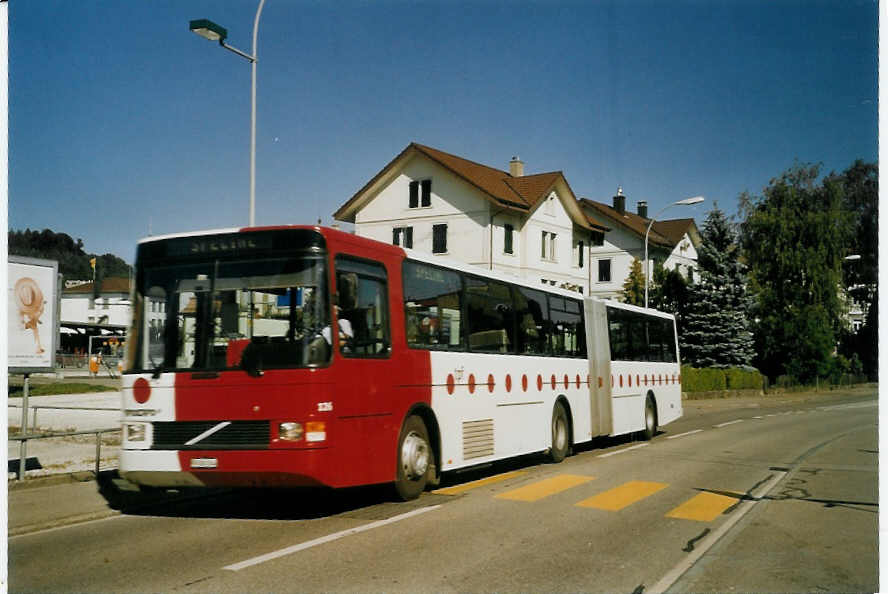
pixel 420 193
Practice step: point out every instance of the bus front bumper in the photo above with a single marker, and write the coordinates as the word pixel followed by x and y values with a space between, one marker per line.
pixel 228 468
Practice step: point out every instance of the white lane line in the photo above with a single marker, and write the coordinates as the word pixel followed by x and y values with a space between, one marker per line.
pixel 728 423
pixel 635 447
pixel 707 543
pixel 686 433
pixel 758 417
pixel 325 539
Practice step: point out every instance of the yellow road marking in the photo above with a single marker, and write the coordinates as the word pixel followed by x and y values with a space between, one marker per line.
pixel 457 489
pixel 540 489
pixel 623 496
pixel 704 507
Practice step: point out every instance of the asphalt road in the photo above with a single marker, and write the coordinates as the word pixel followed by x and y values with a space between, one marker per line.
pixel 746 495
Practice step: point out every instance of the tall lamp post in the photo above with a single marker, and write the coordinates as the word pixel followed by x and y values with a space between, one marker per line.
pixel 685 202
pixel 210 30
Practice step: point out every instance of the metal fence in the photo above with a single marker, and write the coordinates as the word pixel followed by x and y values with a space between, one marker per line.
pixel 23 458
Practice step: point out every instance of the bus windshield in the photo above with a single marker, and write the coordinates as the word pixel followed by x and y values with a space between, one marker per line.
pixel 217 314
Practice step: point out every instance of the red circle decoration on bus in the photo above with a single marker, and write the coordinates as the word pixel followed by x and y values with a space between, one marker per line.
pixel 539 382
pixel 637 380
pixel 471 383
pixel 490 383
pixel 524 382
pixel 553 381
pixel 141 390
pixel 508 383
pixel 451 383
pixel 578 381
pixel 621 380
pixel 600 382
pixel 629 379
pixel 566 381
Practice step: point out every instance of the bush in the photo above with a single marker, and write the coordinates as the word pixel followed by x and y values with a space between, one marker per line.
pixel 743 379
pixel 716 379
pixel 702 380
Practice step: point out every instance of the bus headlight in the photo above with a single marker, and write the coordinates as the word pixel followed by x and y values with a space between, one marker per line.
pixel 290 431
pixel 135 432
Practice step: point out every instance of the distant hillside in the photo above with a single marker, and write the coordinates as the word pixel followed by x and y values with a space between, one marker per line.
pixel 73 261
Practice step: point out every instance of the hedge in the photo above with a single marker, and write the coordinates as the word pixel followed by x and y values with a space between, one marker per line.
pixel 716 379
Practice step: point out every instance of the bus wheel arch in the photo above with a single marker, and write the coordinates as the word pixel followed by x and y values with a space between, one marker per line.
pixel 562 430
pixel 651 418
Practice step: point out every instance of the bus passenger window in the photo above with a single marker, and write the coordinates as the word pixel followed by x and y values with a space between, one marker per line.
pixel 568 337
pixel 532 313
pixel 491 316
pixel 432 307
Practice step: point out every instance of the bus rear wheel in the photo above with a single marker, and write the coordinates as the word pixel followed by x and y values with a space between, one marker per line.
pixel 560 434
pixel 650 419
pixel 415 459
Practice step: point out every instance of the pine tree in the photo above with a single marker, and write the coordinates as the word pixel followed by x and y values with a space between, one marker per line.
pixel 633 287
pixel 715 329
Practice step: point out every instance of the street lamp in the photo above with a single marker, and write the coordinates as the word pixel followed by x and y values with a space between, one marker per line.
pixel 647 275
pixel 210 30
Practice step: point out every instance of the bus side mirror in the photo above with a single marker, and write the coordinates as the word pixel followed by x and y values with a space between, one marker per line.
pixel 251 360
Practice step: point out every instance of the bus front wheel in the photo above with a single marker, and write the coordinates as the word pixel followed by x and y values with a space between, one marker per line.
pixel 560 434
pixel 415 459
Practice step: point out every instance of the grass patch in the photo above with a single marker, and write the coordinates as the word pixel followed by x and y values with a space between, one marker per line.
pixel 58 388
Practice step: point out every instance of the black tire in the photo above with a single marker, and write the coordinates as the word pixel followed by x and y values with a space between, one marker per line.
pixel 416 460
pixel 650 420
pixel 560 434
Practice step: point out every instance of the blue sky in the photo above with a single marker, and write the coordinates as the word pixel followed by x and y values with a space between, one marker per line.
pixel 121 121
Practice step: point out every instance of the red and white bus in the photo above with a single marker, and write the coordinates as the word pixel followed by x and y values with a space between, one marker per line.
pixel 234 377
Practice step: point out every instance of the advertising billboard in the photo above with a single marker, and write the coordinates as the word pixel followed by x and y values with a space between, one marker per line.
pixel 32 298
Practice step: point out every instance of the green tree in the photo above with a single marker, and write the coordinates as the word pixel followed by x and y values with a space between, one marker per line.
pixel 794 237
pixel 669 291
pixel 73 261
pixel 715 329
pixel 860 183
pixel 633 287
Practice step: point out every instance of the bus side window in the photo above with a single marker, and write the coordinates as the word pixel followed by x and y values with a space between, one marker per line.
pixel 532 314
pixel 491 316
pixel 433 307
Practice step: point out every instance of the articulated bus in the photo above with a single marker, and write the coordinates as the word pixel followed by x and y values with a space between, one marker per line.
pixel 235 375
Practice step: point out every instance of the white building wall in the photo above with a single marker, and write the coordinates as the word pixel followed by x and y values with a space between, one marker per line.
pixel 550 216
pixel 79 309
pixel 619 247
pixel 683 257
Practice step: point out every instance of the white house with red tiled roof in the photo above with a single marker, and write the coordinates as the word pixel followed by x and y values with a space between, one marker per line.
pixel 529 226
pixel 673 243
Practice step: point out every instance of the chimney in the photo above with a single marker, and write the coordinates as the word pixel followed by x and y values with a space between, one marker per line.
pixel 643 209
pixel 620 201
pixel 516 167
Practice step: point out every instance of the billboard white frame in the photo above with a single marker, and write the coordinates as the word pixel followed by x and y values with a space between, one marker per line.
pixel 31 327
